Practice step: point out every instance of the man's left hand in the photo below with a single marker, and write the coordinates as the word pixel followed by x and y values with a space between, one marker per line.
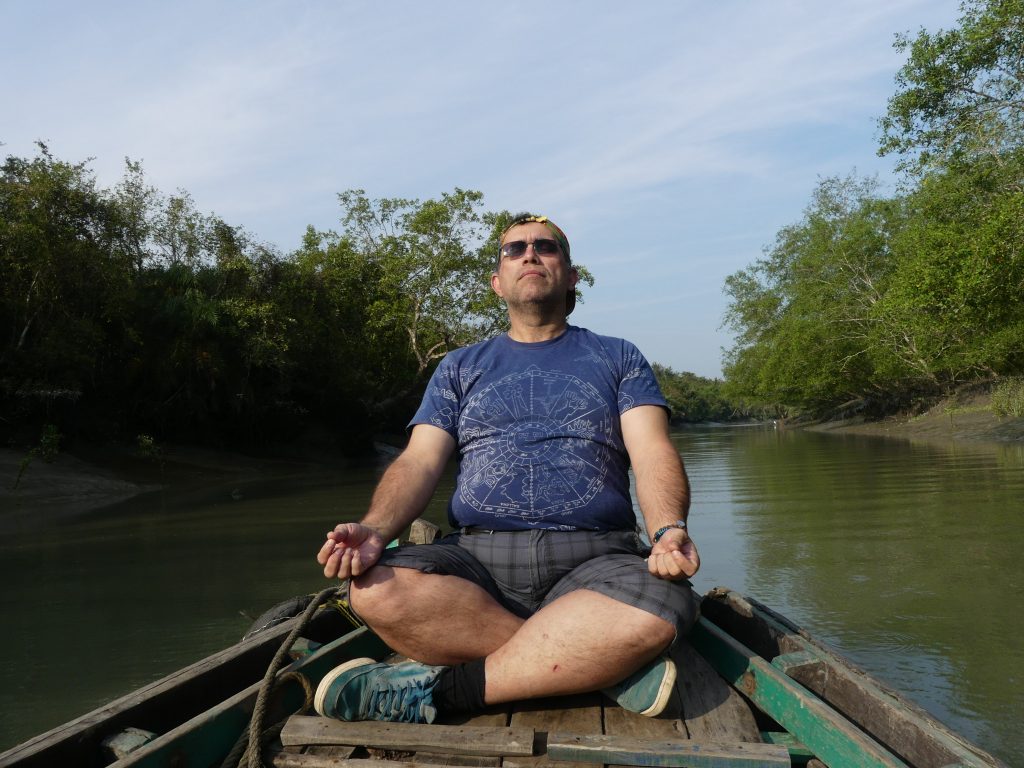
pixel 674 557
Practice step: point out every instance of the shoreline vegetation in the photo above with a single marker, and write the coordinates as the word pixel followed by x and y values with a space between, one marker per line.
pixel 99 478
pixel 128 316
pixel 95 478
pixel 878 299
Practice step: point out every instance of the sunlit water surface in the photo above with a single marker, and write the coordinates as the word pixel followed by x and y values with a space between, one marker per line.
pixel 908 558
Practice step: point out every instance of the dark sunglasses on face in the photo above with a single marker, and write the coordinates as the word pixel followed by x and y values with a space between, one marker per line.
pixel 516 248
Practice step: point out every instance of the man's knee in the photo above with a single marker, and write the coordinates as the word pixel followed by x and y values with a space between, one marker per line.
pixel 390 593
pixel 664 609
pixel 373 593
pixel 653 632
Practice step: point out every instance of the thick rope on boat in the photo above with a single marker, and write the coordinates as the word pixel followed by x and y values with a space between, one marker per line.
pixel 252 757
pixel 289 609
pixel 247 750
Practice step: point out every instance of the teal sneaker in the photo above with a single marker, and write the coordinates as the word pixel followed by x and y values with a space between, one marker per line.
pixel 646 691
pixel 363 689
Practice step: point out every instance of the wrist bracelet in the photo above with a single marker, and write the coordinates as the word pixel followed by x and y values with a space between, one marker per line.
pixel 661 531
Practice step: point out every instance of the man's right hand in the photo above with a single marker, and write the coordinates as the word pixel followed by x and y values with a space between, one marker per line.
pixel 351 549
pixel 674 557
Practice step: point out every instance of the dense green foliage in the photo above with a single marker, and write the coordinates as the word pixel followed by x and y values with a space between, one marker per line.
pixel 695 399
pixel 125 313
pixel 961 92
pixel 873 300
pixel 1008 398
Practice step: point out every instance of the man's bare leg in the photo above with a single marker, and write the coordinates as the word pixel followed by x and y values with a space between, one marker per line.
pixel 434 619
pixel 583 641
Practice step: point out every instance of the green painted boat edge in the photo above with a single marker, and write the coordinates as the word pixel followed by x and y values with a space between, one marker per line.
pixel 61 744
pixel 799 754
pixel 805 652
pixel 830 736
pixel 207 739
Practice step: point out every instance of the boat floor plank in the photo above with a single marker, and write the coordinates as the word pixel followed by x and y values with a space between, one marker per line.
pixel 575 714
pixel 409 737
pixel 666 752
pixel 337 751
pixel 622 722
pixel 712 709
pixel 314 756
pixel 290 760
pixel 332 750
pixel 493 717
pixel 447 758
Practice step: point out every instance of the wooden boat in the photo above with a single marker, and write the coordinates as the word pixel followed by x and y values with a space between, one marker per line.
pixel 754 690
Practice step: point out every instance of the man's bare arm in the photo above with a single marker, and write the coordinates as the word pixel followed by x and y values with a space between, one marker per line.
pixel 401 496
pixel 662 489
pixel 409 483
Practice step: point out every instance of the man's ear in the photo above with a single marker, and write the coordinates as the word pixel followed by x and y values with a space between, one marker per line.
pixel 574 277
pixel 496 285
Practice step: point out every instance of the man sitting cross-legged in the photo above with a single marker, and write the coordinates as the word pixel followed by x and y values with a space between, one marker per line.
pixel 545 588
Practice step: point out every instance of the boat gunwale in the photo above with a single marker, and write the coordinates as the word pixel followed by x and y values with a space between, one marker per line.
pixel 882 713
pixel 811 666
pixel 193 684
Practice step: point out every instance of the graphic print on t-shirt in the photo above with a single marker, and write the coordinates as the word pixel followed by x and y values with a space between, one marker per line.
pixel 529 445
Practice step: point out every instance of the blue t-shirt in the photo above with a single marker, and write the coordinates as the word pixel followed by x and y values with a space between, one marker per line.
pixel 538 431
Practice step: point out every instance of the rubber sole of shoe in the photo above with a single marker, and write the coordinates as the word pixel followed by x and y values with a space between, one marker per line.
pixel 330 677
pixel 668 682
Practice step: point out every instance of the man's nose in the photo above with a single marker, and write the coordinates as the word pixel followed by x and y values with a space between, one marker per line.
pixel 530 254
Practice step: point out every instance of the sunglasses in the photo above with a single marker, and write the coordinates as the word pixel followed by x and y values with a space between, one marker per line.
pixel 542 247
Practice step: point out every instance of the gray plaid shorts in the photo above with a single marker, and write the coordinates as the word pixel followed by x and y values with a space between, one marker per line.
pixel 526 570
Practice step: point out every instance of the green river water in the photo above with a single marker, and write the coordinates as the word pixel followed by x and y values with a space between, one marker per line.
pixel 908 558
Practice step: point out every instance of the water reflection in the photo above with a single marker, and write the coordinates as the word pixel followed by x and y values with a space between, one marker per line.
pixel 906 557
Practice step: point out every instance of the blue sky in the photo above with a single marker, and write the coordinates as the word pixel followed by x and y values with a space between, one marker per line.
pixel 670 140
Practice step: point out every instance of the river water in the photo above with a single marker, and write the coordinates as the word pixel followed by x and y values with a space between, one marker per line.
pixel 908 558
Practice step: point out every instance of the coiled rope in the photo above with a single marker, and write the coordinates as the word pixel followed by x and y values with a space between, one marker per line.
pixel 247 752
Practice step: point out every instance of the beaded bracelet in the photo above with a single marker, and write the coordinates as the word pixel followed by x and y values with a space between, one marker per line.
pixel 661 531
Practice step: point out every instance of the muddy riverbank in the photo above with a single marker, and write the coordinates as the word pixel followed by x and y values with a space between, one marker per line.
pixel 93 478
pixel 962 418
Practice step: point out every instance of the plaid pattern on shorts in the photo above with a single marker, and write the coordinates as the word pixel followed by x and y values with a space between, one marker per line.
pixel 526 570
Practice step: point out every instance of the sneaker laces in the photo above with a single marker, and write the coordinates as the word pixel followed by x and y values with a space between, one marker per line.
pixel 403 701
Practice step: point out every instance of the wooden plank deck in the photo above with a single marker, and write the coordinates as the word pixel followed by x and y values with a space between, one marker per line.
pixel 707 723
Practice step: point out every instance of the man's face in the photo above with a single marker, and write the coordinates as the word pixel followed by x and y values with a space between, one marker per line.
pixel 532 278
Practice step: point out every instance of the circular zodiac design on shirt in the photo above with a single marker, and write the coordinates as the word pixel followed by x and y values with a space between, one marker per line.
pixel 534 446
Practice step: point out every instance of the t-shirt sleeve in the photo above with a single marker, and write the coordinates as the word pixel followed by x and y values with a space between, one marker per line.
pixel 638 385
pixel 440 404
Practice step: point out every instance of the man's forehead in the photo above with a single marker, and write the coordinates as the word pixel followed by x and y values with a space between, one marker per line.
pixel 526 229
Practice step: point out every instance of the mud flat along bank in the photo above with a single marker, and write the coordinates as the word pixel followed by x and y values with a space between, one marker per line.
pixel 43 493
pixel 955 419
